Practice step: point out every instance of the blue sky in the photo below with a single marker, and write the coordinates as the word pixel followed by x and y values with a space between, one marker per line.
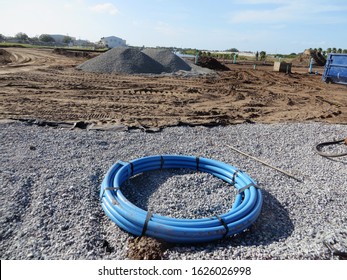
pixel 276 26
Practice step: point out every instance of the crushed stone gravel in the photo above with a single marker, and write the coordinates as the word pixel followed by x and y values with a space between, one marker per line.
pixel 122 60
pixel 134 61
pixel 170 62
pixel 50 180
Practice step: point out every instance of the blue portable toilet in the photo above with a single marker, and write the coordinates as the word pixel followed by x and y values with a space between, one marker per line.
pixel 335 70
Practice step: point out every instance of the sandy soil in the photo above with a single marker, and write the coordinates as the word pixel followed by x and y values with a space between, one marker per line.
pixel 41 84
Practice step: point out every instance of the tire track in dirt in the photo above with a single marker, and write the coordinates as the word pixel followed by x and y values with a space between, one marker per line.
pixel 53 90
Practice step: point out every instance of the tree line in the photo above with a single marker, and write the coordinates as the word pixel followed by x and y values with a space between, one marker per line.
pixel 24 38
pixel 329 50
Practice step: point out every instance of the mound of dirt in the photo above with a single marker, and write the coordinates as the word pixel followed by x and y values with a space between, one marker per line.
pixel 5 57
pixel 305 58
pixel 211 63
pixel 170 62
pixel 146 248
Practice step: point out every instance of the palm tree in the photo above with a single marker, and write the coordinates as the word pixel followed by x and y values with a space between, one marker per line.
pixel 328 50
pixel 339 50
pixel 334 50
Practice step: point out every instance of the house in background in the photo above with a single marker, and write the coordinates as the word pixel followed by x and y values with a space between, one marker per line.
pixel 112 42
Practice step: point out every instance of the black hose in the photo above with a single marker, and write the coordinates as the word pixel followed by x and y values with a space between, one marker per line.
pixel 324 154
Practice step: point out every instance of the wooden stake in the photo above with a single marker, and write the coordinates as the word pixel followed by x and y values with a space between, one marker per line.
pixel 263 162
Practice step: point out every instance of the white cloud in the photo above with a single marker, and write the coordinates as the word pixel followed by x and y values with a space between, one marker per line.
pixel 285 12
pixel 105 8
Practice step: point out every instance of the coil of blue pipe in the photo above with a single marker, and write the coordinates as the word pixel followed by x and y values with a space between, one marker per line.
pixel 244 211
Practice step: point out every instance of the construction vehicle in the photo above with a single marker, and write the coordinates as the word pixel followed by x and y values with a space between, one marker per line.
pixel 335 70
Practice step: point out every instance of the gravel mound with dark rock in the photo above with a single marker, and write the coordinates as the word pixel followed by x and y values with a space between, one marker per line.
pixel 134 61
pixel 122 60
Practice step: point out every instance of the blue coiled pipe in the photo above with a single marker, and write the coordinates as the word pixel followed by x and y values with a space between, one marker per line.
pixel 243 213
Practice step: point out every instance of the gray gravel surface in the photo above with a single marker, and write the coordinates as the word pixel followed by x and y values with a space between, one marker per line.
pixel 50 180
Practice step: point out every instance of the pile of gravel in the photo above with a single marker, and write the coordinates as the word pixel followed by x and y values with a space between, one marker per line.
pixel 134 61
pixel 170 62
pixel 50 181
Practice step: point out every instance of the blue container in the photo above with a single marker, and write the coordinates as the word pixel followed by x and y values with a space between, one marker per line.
pixel 335 70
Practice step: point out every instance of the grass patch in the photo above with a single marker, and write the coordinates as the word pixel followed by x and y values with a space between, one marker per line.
pixel 20 45
pixel 73 48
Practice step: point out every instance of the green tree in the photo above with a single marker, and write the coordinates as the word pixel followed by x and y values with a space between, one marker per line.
pixel 22 37
pixel 2 38
pixel 232 50
pixel 46 38
pixel 262 55
pixel 344 51
pixel 339 50
pixel 34 39
pixel 67 40
pixel 334 50
pixel 328 50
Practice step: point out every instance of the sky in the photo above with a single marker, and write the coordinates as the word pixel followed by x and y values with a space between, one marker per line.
pixel 274 26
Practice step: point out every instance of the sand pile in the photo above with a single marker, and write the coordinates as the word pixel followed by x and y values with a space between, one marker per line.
pixel 5 57
pixel 134 61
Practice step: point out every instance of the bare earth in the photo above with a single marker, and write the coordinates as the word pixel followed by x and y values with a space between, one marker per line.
pixel 40 84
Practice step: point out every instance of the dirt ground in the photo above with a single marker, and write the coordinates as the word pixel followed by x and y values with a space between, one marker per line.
pixel 41 84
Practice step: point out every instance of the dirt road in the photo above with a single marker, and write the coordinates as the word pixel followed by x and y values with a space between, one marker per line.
pixel 40 84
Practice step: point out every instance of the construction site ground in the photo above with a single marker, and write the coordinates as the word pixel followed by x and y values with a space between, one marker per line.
pixel 40 84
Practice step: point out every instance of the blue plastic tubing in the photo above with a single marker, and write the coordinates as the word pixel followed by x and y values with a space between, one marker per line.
pixel 243 213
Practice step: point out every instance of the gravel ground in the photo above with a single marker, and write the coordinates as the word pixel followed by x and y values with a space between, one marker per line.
pixel 50 182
